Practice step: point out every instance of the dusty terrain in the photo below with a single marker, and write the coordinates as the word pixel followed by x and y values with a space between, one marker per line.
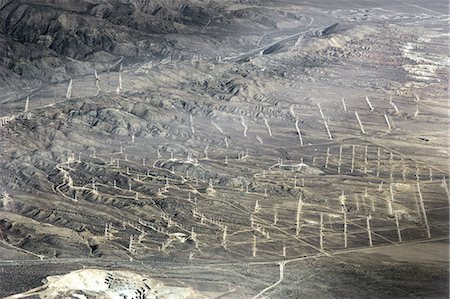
pixel 233 149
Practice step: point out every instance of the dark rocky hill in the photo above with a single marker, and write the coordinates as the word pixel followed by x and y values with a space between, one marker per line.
pixel 55 40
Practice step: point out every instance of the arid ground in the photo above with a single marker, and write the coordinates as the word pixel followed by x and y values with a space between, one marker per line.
pixel 232 149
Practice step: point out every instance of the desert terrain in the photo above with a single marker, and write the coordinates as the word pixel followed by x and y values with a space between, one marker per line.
pixel 224 149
